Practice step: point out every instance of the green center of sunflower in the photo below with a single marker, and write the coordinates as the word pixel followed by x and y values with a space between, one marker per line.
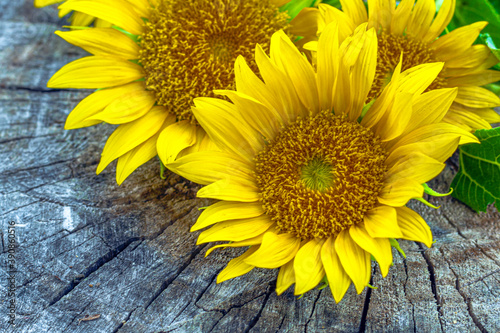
pixel 320 175
pixel 189 47
pixel 317 175
pixel 389 54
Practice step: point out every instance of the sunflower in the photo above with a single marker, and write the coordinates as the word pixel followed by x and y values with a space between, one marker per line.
pixel 415 30
pixel 308 177
pixel 77 19
pixel 158 56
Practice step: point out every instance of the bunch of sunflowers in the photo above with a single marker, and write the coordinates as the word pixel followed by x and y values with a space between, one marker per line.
pixel 310 124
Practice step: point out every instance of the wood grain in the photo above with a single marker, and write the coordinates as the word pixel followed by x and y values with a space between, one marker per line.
pixel 88 247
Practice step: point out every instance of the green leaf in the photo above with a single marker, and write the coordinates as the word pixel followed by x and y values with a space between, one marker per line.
pixel 334 3
pixel 486 38
pixel 477 182
pixel 468 12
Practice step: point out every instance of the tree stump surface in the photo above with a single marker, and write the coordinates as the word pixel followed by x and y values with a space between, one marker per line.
pixel 88 247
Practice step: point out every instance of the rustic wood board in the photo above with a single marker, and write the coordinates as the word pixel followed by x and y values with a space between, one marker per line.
pixel 89 247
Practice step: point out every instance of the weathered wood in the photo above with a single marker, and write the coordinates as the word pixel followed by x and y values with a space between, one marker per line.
pixel 89 247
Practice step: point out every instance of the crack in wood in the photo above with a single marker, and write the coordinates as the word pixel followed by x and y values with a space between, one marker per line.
pixel 125 320
pixel 366 305
pixel 254 320
pixel 466 299
pixel 167 282
pixel 432 277
pixel 312 312
pixel 91 269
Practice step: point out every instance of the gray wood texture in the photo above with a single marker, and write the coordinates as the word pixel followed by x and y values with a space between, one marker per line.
pixel 88 247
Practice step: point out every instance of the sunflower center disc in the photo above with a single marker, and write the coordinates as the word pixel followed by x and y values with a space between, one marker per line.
pixel 189 47
pixel 389 54
pixel 320 175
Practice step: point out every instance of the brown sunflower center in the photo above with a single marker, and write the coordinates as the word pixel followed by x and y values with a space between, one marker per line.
pixel 320 175
pixel 389 54
pixel 190 46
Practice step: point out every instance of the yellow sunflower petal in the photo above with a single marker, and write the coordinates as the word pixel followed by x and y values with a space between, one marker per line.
pixel 442 19
pixel 206 167
pixel 380 248
pixel 286 277
pixel 381 12
pixel 237 266
pixel 236 230
pixel 308 267
pixel 430 132
pixel 130 161
pixel 480 78
pixel 128 136
pixel 223 211
pixel 439 147
pixel 417 166
pixel 247 242
pixel 354 259
pixel 473 57
pixel 100 23
pixel 382 222
pixel 328 62
pixel 300 72
pixel 401 16
pixel 95 72
pixel 126 108
pixel 331 14
pixel 414 226
pixel 81 19
pixel 231 189
pixel 338 280
pixel 305 23
pixel 421 18
pixel 356 10
pixel 397 193
pixel 225 126
pixel 275 250
pixel 265 120
pixel 43 3
pixel 469 121
pixel 174 138
pixel 456 42
pixel 431 107
pixel 118 12
pixel 248 83
pixel 102 42
pixel 279 85
pixel 361 57
pixel 96 102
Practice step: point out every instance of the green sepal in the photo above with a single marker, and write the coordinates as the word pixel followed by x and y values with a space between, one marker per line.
pixel 427 203
pixel 395 244
pixel 430 191
pixel 135 38
pixel 486 39
pixel 75 27
pixel 162 169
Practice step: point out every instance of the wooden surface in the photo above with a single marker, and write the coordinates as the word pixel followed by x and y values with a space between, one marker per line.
pixel 89 247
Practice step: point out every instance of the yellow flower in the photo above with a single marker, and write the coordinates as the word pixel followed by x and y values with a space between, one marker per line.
pixel 413 30
pixel 312 191
pixel 163 55
pixel 77 19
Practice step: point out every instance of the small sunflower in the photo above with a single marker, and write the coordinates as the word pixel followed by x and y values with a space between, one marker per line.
pixel 158 56
pixel 77 19
pixel 415 30
pixel 312 184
